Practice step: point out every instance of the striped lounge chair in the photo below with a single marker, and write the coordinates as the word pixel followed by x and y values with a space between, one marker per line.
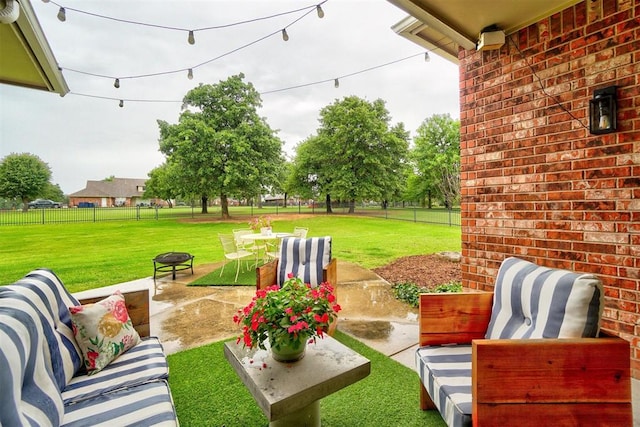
pixel 42 377
pixel 527 354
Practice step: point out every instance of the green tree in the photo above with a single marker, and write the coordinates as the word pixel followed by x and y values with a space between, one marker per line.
pixel 309 176
pixel 437 158
pixel 363 154
pixel 220 144
pixel 23 176
pixel 162 183
pixel 54 192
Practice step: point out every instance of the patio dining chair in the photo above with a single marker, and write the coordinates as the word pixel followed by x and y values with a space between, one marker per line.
pixel 232 252
pixel 300 232
pixel 250 246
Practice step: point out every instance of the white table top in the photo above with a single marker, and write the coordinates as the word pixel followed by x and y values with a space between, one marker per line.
pixel 282 388
pixel 260 236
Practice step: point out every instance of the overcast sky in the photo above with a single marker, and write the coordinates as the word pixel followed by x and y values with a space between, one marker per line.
pixel 89 138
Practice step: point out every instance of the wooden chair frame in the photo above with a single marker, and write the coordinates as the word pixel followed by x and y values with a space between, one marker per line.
pixel 530 382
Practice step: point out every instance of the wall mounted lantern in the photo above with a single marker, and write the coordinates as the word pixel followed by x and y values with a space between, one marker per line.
pixel 603 111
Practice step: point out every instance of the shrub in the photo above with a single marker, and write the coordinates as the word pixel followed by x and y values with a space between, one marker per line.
pixel 410 292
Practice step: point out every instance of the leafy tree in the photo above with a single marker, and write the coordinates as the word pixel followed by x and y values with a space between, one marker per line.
pixel 23 176
pixel 162 183
pixel 54 192
pixel 220 145
pixel 363 155
pixel 309 176
pixel 437 157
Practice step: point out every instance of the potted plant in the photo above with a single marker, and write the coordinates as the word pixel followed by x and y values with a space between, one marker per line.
pixel 287 317
pixel 262 223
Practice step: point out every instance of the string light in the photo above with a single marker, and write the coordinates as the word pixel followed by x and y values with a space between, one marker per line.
pixel 336 83
pixel 62 15
pixel 121 104
pixel 285 36
pixel 216 27
pixel 191 39
pixel 116 84
pixel 190 74
pixel 427 58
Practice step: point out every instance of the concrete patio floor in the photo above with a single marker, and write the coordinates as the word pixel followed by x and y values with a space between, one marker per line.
pixel 189 316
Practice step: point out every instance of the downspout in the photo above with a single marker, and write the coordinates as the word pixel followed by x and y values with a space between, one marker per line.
pixel 10 11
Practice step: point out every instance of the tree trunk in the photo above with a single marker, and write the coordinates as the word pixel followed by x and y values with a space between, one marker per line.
pixel 224 205
pixel 352 206
pixel 328 203
pixel 25 204
pixel 284 202
pixel 204 200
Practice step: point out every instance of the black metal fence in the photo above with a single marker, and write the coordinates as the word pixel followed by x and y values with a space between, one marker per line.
pixel 141 213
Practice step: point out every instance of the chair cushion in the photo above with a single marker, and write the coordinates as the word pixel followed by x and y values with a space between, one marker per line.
pixel 305 258
pixel 445 372
pixel 143 363
pixel 148 404
pixel 28 388
pixel 531 301
pixel 43 290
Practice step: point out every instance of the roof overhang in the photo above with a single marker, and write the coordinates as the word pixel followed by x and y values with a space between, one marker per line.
pixel 26 59
pixel 444 26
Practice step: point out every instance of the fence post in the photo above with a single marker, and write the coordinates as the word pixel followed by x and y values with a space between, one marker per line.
pixel 138 213
pixel 415 215
pixel 42 215
pixel 449 217
pixel 156 212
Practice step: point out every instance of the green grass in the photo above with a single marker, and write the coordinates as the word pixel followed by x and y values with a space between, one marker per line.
pixel 207 392
pixel 247 277
pixel 92 255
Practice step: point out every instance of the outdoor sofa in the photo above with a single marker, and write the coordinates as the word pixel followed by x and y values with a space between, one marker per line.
pixel 43 370
pixel 528 354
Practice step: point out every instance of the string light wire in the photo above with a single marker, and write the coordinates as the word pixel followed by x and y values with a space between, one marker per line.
pixel 182 70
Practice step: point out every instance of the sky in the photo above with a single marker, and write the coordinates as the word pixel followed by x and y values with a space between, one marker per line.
pixel 85 135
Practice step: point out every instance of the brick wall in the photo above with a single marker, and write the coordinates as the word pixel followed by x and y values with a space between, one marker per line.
pixel 535 183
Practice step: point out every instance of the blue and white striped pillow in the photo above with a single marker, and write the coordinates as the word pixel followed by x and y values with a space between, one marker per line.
pixel 531 301
pixel 305 258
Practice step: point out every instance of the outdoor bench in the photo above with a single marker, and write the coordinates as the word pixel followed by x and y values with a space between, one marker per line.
pixel 528 354
pixel 43 372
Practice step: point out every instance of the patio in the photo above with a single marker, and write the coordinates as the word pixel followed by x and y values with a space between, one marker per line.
pixel 185 317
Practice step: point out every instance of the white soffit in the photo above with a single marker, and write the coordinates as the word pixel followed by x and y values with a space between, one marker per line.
pixel 453 23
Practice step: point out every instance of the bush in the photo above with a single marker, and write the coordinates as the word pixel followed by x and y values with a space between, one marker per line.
pixel 410 292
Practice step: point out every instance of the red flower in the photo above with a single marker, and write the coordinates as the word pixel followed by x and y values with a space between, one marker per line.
pixel 119 311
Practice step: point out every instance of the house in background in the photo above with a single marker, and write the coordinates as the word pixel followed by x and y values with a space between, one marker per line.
pixel 113 192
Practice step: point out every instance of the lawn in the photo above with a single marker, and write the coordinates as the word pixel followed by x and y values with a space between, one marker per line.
pixel 91 255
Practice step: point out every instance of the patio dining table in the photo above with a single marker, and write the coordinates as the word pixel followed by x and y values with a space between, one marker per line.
pixel 261 240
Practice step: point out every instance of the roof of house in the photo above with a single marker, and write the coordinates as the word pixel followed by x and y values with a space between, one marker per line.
pixel 116 187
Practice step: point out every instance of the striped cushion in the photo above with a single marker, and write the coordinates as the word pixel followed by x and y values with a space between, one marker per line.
pixel 44 291
pixel 539 302
pixel 29 393
pixel 143 363
pixel 305 258
pixel 445 372
pixel 147 404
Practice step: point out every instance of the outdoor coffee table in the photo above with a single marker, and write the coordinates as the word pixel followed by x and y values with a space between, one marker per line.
pixel 172 261
pixel 289 393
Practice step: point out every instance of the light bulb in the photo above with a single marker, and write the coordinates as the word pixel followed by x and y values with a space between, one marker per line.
pixel 320 11
pixel 116 84
pixel 427 58
pixel 285 36
pixel 191 39
pixel 190 74
pixel 336 83
pixel 605 122
pixel 45 1
pixel 121 103
pixel 62 16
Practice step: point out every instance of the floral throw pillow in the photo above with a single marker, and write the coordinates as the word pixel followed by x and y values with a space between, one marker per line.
pixel 103 331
